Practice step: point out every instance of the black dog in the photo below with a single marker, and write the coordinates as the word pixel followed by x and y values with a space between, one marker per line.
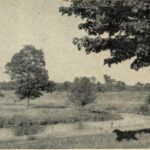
pixel 125 135
pixel 144 131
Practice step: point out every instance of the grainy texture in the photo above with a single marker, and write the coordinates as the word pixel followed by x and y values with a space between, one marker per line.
pixel 84 103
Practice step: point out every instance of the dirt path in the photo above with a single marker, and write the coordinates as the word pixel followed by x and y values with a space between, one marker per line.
pixel 130 121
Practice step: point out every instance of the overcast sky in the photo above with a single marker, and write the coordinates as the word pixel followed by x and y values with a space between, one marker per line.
pixel 39 23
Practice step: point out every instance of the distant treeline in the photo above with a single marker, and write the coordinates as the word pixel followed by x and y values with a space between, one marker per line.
pixel 109 85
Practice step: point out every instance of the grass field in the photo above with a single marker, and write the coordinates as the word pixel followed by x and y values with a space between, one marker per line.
pixel 120 101
pixel 88 141
pixel 49 109
pixel 54 108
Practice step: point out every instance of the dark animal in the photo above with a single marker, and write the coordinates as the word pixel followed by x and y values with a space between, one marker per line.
pixel 143 131
pixel 125 135
pixel 130 134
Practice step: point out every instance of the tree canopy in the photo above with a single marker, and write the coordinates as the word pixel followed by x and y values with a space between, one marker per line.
pixel 27 68
pixel 126 22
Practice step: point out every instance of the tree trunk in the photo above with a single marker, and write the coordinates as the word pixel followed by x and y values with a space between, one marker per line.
pixel 28 102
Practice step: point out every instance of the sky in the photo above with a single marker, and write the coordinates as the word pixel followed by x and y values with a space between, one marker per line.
pixel 39 23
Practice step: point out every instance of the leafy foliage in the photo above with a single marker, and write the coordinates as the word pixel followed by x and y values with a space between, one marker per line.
pixel 27 68
pixel 127 23
pixel 27 130
pixel 1 94
pixel 11 85
pixel 148 100
pixel 83 91
pixel 50 86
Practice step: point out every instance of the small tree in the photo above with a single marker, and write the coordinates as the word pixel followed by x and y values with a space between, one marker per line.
pixel 109 83
pixel 50 86
pixel 27 68
pixel 120 86
pixel 83 92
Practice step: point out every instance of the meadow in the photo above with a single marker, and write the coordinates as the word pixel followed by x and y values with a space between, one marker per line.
pixel 54 108
pixel 88 141
pixel 49 109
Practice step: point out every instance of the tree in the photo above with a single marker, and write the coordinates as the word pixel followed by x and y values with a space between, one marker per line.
pixel 27 68
pixel 139 86
pixel 100 87
pixel 83 92
pixel 121 85
pixel 66 85
pixel 110 84
pixel 50 86
pixel 93 80
pixel 127 23
pixel 7 85
pixel 107 79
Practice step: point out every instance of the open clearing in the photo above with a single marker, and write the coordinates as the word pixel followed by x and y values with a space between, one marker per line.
pixel 89 134
pixel 129 122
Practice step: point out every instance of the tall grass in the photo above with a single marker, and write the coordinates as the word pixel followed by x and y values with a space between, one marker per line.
pixel 27 130
pixel 55 117
pixel 88 141
pixel 53 108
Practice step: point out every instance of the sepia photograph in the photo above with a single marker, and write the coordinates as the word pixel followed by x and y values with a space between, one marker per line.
pixel 75 74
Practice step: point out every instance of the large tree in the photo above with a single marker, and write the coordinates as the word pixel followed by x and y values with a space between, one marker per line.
pixel 27 68
pixel 126 22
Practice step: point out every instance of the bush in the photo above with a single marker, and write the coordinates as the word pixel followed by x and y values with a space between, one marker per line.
pixel 145 110
pixel 55 117
pixel 20 120
pixel 148 99
pixel 16 120
pixel 2 122
pixel 83 91
pixel 105 116
pixel 31 138
pixel 50 106
pixel 27 130
pixel 1 94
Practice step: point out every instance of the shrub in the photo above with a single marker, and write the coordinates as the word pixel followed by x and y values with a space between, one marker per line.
pixel 1 94
pixel 2 122
pixel 148 99
pixel 50 106
pixel 27 130
pixel 83 91
pixel 145 110
pixel 31 137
